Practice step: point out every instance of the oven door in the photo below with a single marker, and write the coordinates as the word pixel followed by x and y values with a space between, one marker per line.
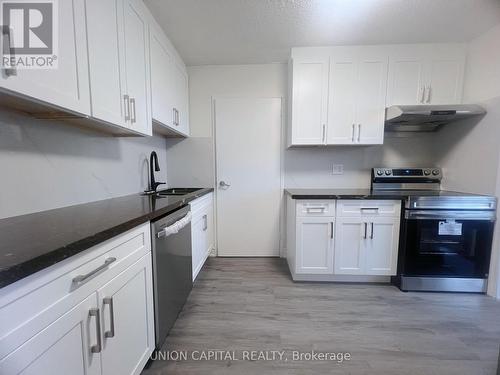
pixel 448 243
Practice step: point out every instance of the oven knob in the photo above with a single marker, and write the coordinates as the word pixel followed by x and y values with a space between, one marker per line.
pixel 435 172
pixel 387 172
pixel 380 173
pixel 427 172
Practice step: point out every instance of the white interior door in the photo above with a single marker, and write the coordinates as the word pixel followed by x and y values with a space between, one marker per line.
pixel 248 157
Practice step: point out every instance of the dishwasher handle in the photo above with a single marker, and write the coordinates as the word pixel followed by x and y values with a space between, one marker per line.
pixel 175 227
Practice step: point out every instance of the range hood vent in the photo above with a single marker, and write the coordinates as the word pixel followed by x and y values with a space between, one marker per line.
pixel 427 118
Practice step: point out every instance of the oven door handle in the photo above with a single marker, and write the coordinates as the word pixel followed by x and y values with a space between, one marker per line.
pixel 444 215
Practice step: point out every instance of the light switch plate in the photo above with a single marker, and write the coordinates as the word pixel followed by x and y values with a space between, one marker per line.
pixel 338 169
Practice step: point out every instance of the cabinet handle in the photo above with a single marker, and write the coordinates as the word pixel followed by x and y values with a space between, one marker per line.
pixel 366 226
pixel 132 105
pixel 331 230
pixel 80 279
pixel 205 223
pixel 371 235
pixel 97 347
pixel 126 99
pixel 429 89
pixel 324 133
pixel 315 209
pixel 370 209
pixel 178 117
pixel 353 131
pixel 359 132
pixel 111 332
pixel 422 94
pixel 7 32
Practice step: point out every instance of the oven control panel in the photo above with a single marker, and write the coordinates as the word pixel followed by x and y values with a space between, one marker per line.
pixel 433 173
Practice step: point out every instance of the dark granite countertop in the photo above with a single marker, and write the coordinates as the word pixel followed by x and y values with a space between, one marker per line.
pixel 345 194
pixel 30 243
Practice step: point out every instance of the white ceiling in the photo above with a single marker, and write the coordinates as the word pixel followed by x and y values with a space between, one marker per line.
pixel 262 31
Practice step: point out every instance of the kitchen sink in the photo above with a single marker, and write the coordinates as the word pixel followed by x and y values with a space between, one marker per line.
pixel 177 191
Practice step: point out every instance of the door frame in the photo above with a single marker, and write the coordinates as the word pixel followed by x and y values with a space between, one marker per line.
pixel 282 221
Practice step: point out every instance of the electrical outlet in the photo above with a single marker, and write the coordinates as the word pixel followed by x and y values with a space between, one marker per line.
pixel 338 169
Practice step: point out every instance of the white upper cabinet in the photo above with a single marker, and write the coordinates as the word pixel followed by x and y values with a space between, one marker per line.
pixel 358 83
pixel 180 98
pixel 345 103
pixel 342 100
pixel 161 77
pixel 169 86
pixel 135 41
pixel 406 80
pixel 370 99
pixel 106 63
pixel 309 100
pixel 67 86
pixel 426 74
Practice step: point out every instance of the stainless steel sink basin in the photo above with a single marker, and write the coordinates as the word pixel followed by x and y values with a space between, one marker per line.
pixel 177 191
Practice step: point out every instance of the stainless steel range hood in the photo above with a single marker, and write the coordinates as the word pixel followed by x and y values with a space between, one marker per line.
pixel 427 118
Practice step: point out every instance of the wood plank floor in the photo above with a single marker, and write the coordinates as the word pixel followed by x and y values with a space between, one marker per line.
pixel 252 304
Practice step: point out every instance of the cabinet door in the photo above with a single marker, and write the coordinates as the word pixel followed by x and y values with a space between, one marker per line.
pixel 64 347
pixel 162 80
pixel 349 246
pixel 406 81
pixel 445 81
pixel 105 65
pixel 309 101
pixel 199 241
pixel 342 101
pixel 180 98
pixel 315 245
pixel 136 48
pixel 68 85
pixel 126 304
pixel 370 98
pixel 381 247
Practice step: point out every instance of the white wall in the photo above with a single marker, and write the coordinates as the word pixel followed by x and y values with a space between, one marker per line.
pixel 304 167
pixel 48 164
pixel 470 154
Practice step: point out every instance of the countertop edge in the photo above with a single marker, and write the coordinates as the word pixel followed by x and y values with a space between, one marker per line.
pixel 15 273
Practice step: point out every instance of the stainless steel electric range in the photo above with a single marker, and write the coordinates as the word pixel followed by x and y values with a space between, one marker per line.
pixel 446 236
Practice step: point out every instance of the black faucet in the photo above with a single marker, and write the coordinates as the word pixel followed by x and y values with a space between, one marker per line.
pixel 153 184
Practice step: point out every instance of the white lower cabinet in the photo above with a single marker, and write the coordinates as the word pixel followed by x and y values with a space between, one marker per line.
pixel 63 347
pixel 328 239
pixel 127 319
pixel 349 246
pixel 202 231
pixel 366 245
pixel 104 324
pixel 315 245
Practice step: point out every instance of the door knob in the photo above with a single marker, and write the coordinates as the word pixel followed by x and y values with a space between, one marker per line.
pixel 223 185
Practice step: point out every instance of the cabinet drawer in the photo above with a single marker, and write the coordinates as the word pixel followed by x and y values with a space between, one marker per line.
pixel 355 208
pixel 34 302
pixel 201 203
pixel 316 208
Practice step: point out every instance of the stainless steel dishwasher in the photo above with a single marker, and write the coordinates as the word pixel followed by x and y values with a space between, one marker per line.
pixel 172 269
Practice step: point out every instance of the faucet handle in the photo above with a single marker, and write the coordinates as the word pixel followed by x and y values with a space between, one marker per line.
pixel 156 184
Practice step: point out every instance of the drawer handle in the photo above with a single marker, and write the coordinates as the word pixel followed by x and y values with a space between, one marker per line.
pixel 205 222
pixel 97 347
pixel 84 278
pixel 111 332
pixel 315 209
pixel 369 208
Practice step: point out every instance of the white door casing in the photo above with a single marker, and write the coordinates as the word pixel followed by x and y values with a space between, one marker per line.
pixel 248 158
